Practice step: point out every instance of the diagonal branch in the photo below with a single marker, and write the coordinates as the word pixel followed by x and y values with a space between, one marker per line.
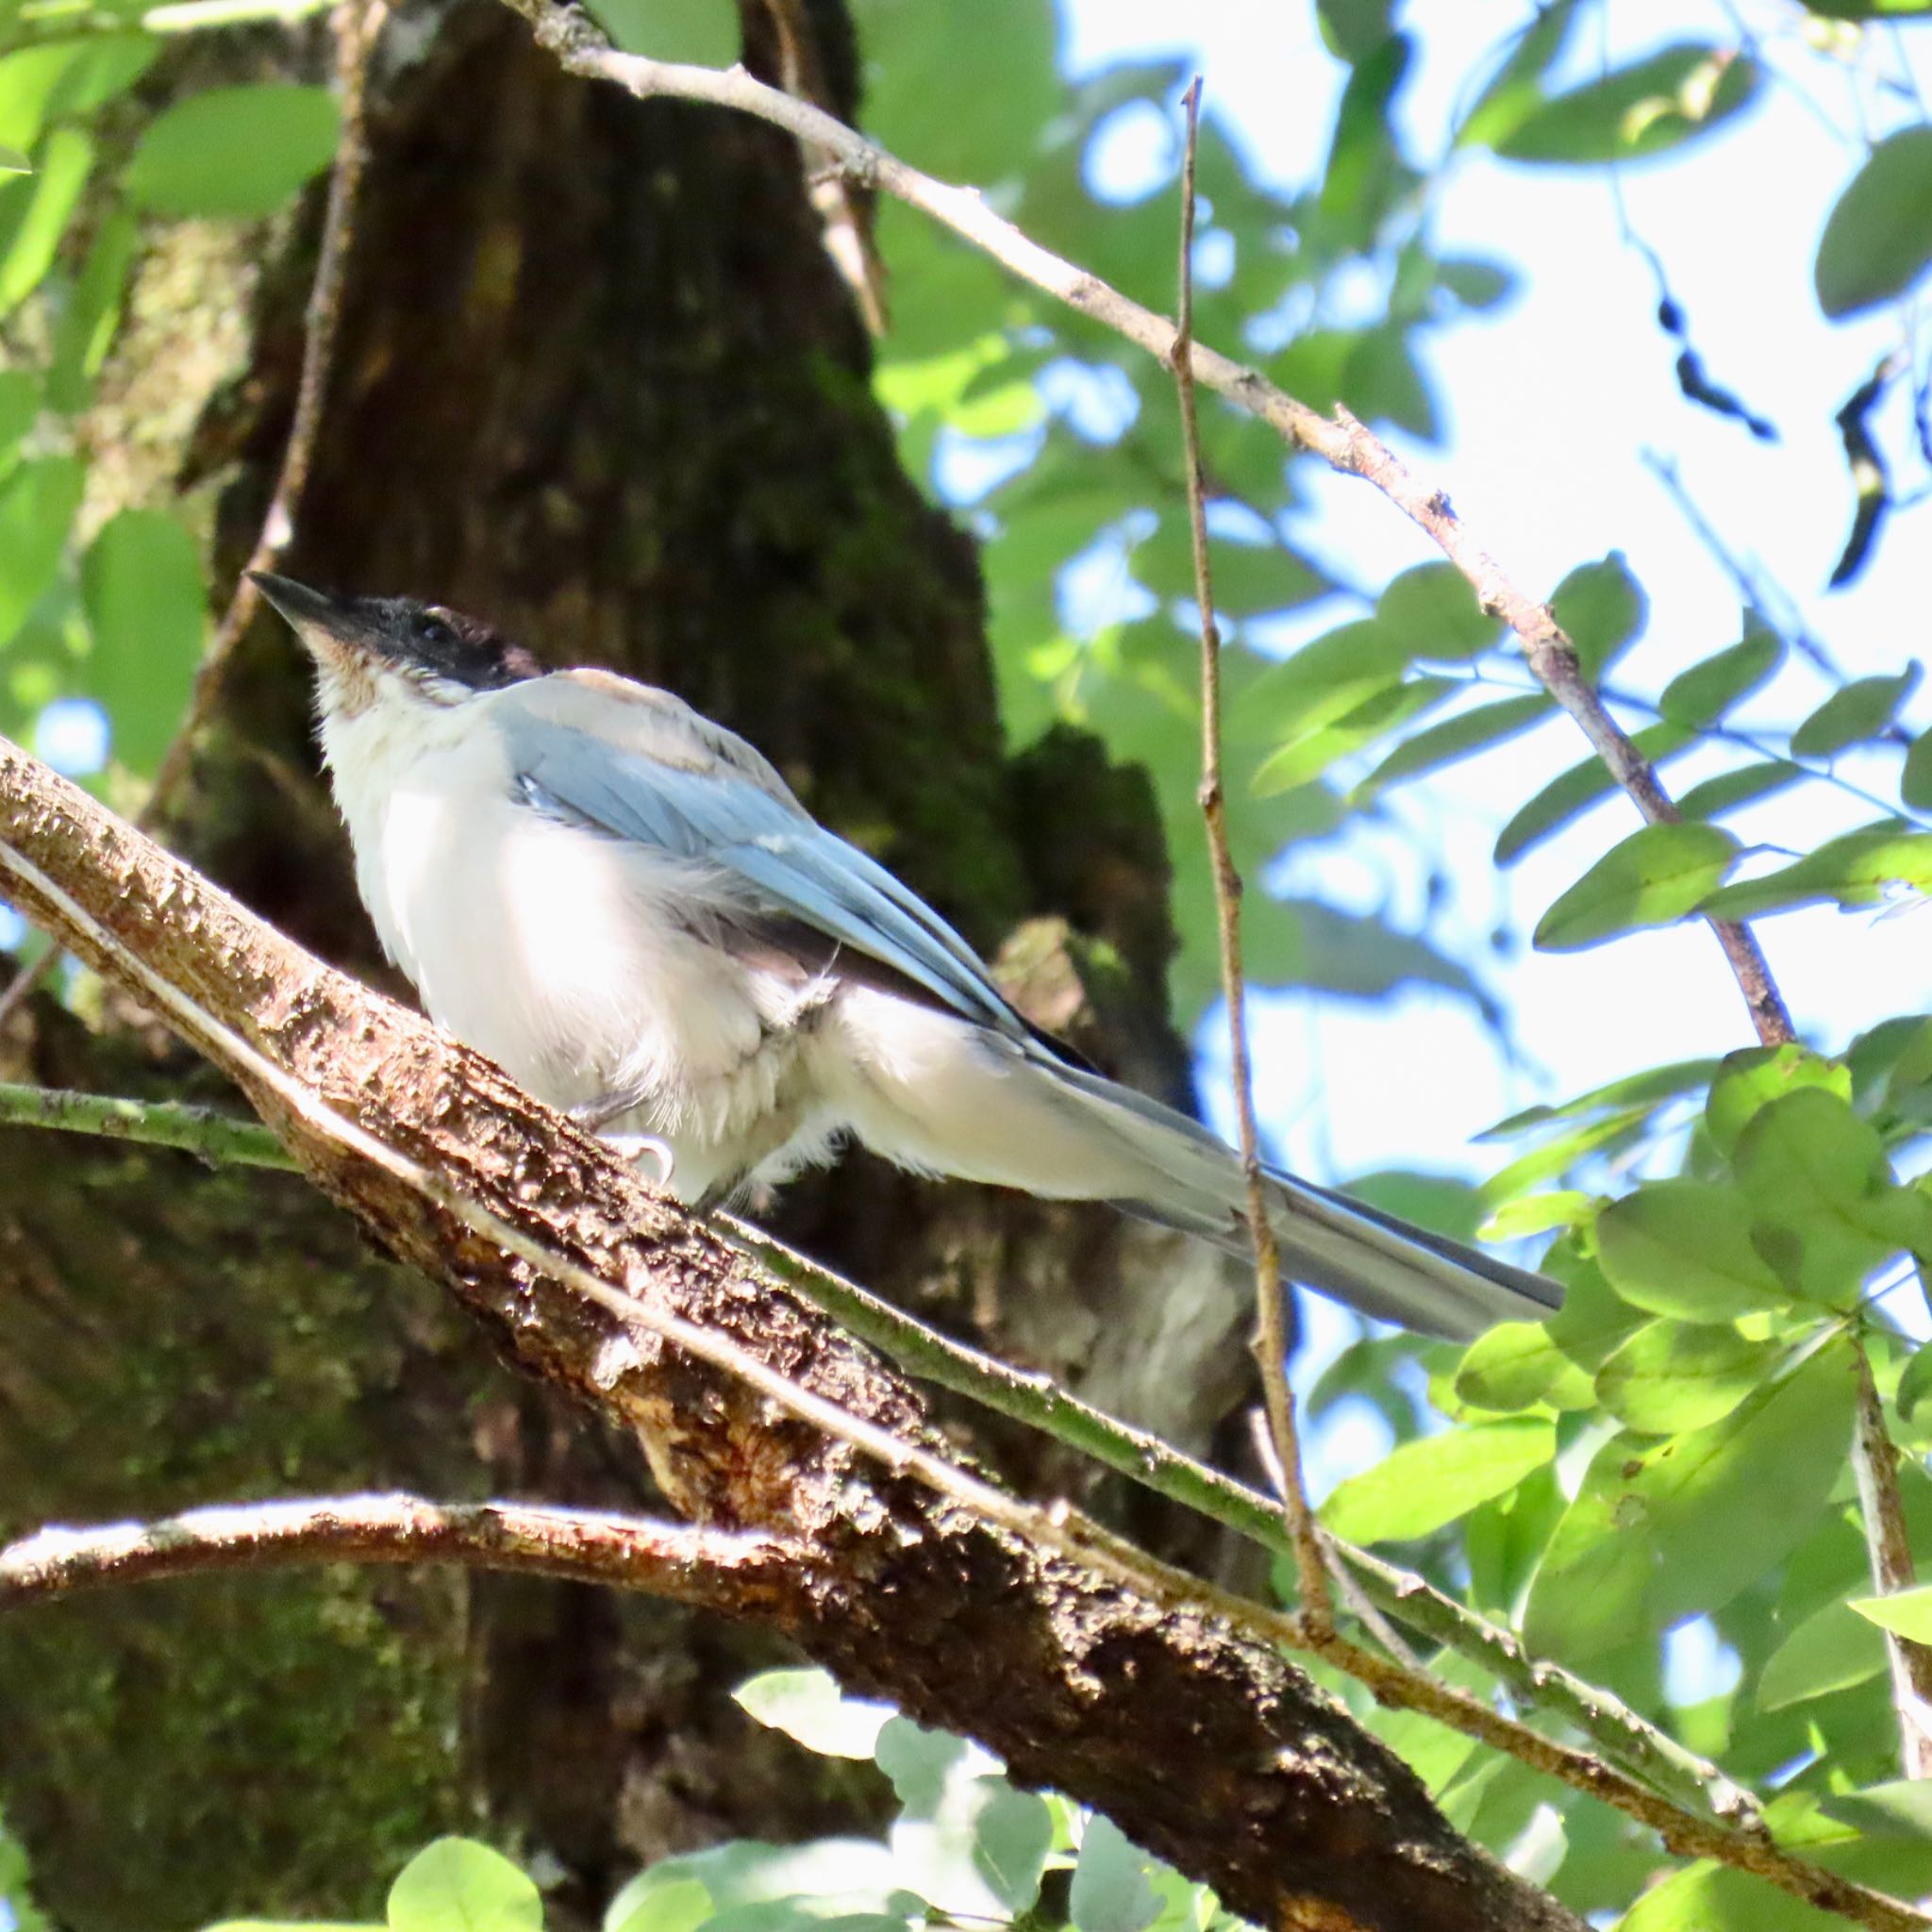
pixel 735 1572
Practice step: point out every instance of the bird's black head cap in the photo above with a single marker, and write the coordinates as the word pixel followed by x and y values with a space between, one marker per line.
pixel 438 647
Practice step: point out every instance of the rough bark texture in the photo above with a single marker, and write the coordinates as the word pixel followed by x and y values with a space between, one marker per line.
pixel 598 381
pixel 1204 1747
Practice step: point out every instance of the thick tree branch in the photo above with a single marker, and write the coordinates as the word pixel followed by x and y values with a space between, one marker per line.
pixel 1204 1744
pixel 740 1573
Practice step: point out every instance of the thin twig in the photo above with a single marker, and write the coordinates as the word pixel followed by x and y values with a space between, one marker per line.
pixel 1875 1464
pixel 716 1568
pixel 1039 1402
pixel 1340 439
pixel 357 25
pixel 1271 1323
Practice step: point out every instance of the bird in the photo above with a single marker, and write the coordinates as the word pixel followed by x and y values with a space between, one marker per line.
pixel 624 906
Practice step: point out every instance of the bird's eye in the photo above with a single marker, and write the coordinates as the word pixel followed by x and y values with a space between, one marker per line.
pixel 433 630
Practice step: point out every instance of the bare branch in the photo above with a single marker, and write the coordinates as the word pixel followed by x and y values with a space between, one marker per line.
pixel 1889 1549
pixel 715 1568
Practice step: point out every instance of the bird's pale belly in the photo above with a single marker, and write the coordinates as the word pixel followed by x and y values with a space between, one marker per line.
pixel 549 948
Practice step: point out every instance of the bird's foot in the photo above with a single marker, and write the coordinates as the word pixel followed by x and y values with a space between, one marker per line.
pixel 637 1148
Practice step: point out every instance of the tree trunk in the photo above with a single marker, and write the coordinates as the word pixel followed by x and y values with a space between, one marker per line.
pixel 599 381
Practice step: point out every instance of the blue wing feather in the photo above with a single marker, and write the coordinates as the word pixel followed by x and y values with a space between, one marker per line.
pixel 786 862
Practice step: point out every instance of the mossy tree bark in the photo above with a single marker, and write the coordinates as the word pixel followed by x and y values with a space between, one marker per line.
pixel 597 379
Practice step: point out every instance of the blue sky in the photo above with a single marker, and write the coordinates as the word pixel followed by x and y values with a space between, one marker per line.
pixel 1550 408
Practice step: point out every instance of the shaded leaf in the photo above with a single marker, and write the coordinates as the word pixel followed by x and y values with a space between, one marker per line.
pixel 1425 1484
pixel 1513 93
pixel 1657 103
pixel 1110 1891
pixel 1432 608
pixel 1603 609
pixel 1570 791
pixel 234 151
pixel 1519 1365
pixel 1831 1650
pixel 1647 1089
pixel 1307 754
pixel 1654 877
pixel 1713 797
pixel 1441 745
pixel 1878 236
pixel 703 32
pixel 1660 1528
pixel 37 504
pixel 1701 695
pixel 141 587
pixel 1860 711
pixel 1683 1248
pixel 42 84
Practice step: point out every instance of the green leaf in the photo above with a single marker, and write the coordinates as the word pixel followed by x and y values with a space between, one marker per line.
pixel 1603 609
pixel 682 1904
pixel 1906 1613
pixel 1713 797
pixel 1676 1375
pixel 808 1706
pixel 1537 1214
pixel 86 324
pixel 457 1885
pixel 1325 680
pixel 1700 696
pixel 1915 781
pixel 1860 711
pixel 1657 103
pixel 20 403
pixel 43 84
pixel 1519 1365
pixel 700 33
pixel 1432 609
pixel 1650 1087
pixel 1706 1897
pixel 1455 737
pixel 1831 1650
pixel 1859 869
pixel 1477 285
pixel 1684 1248
pixel 1664 1527
pixel 1901 1809
pixel 35 211
pixel 1815 1171
pixel 1512 95
pixel 1110 1891
pixel 1309 752
pixel 1425 1484
pixel 1914 1382
pixel 1877 238
pixel 1001 55
pixel 1750 1079
pixel 141 587
pixel 238 151
pixel 1570 791
pixel 1654 877
pixel 37 504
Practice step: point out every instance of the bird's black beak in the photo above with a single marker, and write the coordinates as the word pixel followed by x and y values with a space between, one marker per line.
pixel 330 626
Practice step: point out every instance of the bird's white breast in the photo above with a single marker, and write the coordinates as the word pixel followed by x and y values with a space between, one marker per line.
pixel 564 955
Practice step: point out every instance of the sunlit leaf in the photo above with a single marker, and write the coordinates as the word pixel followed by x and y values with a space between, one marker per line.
pixel 1662 1527
pixel 808 1706
pixel 1519 1365
pixel 86 324
pixel 457 1885
pixel 1654 877
pixel 234 151
pixel 1708 1897
pixel 1856 711
pixel 1747 1081
pixel 1660 102
pixel 1683 1248
pixel 1537 1214
pixel 1649 1087
pixel 1307 754
pixel 35 210
pixel 1425 1484
pixel 679 1904
pixel 1878 237
pixel 1674 1375
pixel 43 84
pixel 1513 93
pixel 1908 1613
pixel 1859 869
